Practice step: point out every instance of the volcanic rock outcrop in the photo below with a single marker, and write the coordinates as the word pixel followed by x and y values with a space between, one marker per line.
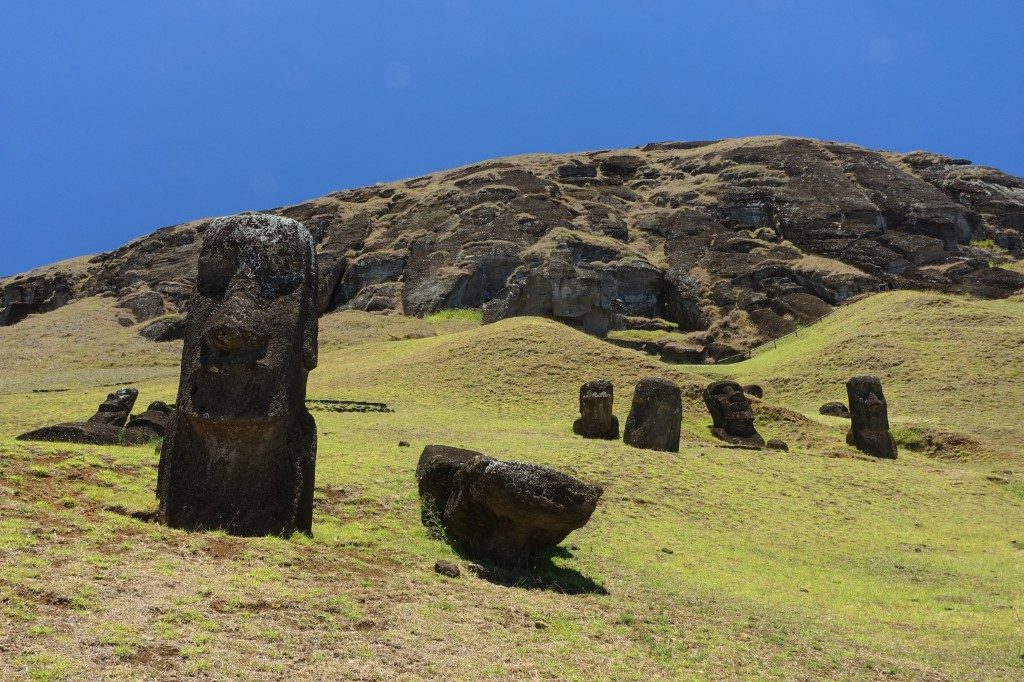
pixel 655 416
pixel 869 418
pixel 500 512
pixel 106 427
pixel 596 419
pixel 732 241
pixel 239 453
pixel 732 416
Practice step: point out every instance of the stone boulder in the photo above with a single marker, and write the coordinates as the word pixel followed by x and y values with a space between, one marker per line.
pixel 153 420
pixel 655 417
pixel 754 390
pixel 501 512
pixel 143 305
pixel 732 416
pixel 835 409
pixel 869 418
pixel 88 433
pixel 165 329
pixel 596 419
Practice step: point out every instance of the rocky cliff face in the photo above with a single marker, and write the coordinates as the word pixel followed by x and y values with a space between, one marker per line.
pixel 734 240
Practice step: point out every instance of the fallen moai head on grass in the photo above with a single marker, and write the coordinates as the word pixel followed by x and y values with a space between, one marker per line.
pixel 239 453
pixel 106 427
pixel 500 512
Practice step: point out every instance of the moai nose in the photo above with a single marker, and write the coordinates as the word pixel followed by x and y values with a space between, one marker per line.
pixel 233 330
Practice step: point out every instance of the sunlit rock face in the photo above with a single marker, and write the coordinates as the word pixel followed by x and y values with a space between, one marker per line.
pixel 239 454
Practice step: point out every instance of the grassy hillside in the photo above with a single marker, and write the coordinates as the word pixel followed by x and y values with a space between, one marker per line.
pixel 952 369
pixel 713 563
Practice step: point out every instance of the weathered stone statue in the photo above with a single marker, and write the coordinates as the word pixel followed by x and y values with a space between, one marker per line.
pixel 656 416
pixel 240 451
pixel 500 512
pixel 106 427
pixel 869 418
pixel 732 417
pixel 596 419
pixel 116 408
pixel 153 420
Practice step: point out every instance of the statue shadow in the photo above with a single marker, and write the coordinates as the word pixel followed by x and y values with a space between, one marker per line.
pixel 542 573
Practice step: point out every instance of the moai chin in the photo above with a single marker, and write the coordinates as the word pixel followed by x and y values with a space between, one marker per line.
pixel 240 452
pixel 869 418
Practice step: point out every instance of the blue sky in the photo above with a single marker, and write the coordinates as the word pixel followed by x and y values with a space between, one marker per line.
pixel 120 117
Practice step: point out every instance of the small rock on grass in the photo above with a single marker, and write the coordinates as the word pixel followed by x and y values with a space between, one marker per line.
pixel 403 443
pixel 447 568
pixel 478 570
pixel 777 444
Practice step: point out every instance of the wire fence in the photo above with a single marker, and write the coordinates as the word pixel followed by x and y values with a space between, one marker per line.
pixel 774 343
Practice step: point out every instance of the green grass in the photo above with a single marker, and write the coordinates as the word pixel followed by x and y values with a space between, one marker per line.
pixel 812 564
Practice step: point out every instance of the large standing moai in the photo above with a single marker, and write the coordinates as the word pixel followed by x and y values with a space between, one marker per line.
pixel 732 417
pixel 596 419
pixel 869 418
pixel 656 416
pixel 240 451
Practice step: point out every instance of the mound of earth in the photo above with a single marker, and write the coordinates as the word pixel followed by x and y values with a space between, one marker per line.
pixel 734 241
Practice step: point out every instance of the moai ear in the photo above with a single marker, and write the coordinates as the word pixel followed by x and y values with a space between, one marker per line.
pixel 310 322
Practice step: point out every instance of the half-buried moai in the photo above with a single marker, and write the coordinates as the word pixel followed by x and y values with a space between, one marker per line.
pixel 656 416
pixel 732 417
pixel 869 418
pixel 240 451
pixel 596 419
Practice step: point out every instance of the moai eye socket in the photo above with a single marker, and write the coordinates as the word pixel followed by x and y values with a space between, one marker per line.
pixel 216 269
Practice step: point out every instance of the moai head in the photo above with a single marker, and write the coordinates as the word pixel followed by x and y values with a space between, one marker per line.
pixel 239 452
pixel 250 338
pixel 730 409
pixel 869 417
pixel 116 408
pixel 596 418
pixel 868 409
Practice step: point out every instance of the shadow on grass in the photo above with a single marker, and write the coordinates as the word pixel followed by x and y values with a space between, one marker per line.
pixel 542 573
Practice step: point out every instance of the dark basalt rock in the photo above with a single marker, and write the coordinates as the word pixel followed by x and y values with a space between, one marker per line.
pixel 596 419
pixel 501 512
pixel 166 329
pixel 240 452
pixel 835 410
pixel 435 475
pixel 154 419
pixel 116 408
pixel 754 390
pixel 656 415
pixel 869 418
pixel 777 444
pixel 731 414
pixel 89 433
